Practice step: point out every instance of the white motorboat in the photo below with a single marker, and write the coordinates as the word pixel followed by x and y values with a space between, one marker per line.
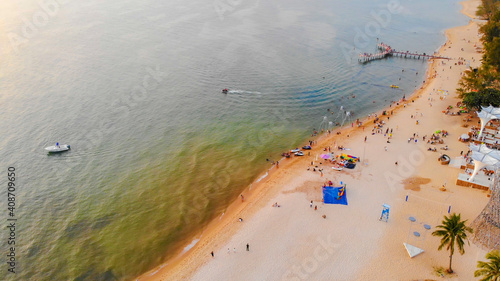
pixel 58 148
pixel 300 153
pixel 294 150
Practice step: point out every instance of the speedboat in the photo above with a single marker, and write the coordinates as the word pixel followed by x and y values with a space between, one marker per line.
pixel 294 150
pixel 58 148
pixel 300 153
pixel 307 147
pixel 224 91
pixel 394 86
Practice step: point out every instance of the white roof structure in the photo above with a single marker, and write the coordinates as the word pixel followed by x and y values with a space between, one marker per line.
pixel 483 157
pixel 486 115
pixel 492 110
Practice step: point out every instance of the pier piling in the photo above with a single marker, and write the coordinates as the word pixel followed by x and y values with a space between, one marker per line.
pixel 386 51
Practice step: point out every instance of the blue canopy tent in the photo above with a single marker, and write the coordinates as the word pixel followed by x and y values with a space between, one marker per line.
pixel 335 195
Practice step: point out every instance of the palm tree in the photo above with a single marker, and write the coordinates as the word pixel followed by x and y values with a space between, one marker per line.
pixel 452 231
pixel 489 270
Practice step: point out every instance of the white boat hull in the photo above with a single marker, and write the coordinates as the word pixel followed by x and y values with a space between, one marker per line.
pixel 56 149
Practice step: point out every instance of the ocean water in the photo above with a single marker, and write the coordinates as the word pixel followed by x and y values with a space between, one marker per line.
pixel 157 151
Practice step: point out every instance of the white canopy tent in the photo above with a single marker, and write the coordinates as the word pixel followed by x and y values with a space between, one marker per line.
pixel 483 157
pixel 491 109
pixel 486 115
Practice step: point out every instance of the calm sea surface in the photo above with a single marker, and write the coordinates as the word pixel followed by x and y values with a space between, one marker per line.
pixel 156 150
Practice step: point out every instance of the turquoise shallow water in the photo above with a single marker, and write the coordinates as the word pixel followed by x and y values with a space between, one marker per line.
pixel 157 150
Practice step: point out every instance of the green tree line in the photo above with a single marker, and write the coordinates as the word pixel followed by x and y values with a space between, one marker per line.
pixel 481 86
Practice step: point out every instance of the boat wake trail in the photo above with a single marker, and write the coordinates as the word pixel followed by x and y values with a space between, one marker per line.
pixel 243 92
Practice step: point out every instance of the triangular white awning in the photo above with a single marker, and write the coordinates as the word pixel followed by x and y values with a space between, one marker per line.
pixel 412 250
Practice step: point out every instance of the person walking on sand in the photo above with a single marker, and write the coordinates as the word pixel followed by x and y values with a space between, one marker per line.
pixel 242 198
pixel 248 247
pixel 311 205
pixel 212 253
pixel 234 250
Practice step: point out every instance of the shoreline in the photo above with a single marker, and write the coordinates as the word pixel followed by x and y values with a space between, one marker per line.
pixel 258 195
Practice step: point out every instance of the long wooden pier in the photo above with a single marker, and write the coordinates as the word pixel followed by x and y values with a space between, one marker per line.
pixel 386 51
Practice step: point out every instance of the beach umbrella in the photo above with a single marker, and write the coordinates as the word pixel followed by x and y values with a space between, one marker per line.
pixel 325 156
pixel 464 136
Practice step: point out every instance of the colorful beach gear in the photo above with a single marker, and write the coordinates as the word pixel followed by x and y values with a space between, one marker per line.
pixel 335 195
pixel 349 158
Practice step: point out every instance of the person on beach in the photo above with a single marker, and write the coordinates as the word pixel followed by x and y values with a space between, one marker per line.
pixel 311 205
pixel 212 253
pixel 248 247
pixel 316 207
pixel 242 198
pixel 234 250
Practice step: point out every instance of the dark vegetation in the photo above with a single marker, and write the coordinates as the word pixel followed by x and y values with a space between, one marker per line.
pixel 481 86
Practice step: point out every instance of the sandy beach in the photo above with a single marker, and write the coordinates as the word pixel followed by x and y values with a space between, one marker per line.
pixel 349 242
